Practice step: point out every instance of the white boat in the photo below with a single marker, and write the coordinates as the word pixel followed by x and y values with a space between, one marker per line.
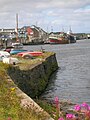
pixel 5 58
pixel 17 45
pixel 4 54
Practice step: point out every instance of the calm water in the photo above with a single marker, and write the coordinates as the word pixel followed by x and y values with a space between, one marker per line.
pixel 72 80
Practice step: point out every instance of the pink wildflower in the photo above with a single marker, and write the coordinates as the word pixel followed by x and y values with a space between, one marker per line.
pixel 77 107
pixel 87 114
pixel 70 116
pixel 9 118
pixel 56 100
pixel 61 118
pixel 84 105
pixel 89 108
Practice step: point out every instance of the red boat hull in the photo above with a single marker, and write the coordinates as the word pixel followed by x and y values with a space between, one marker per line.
pixel 58 41
pixel 34 53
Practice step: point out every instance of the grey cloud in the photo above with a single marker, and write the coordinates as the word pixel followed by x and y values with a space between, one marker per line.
pixel 46 12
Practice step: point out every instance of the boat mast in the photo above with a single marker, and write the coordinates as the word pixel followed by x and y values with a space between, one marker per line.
pixel 17 28
pixel 70 29
pixel 62 29
pixel 52 29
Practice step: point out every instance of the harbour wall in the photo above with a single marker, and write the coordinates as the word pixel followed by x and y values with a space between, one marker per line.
pixel 34 80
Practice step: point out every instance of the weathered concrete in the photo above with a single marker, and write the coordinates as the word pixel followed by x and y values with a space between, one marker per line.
pixel 34 80
pixel 27 102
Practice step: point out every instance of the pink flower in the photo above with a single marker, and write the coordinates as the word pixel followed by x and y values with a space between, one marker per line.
pixel 61 118
pixel 89 108
pixel 9 118
pixel 56 100
pixel 85 105
pixel 70 116
pixel 77 107
pixel 87 114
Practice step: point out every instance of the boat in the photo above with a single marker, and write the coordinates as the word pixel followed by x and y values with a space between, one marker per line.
pixel 61 38
pixel 16 51
pixel 13 46
pixel 30 53
pixel 4 54
pixel 17 45
pixel 53 40
pixel 7 49
pixel 71 36
pixel 72 39
pixel 6 58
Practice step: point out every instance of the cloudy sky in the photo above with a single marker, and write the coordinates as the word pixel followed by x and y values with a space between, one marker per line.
pixel 49 14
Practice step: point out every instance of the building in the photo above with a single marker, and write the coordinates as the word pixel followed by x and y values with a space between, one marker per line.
pixel 35 34
pixel 26 34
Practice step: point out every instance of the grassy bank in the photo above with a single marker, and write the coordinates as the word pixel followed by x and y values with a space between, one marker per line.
pixel 10 108
pixel 10 103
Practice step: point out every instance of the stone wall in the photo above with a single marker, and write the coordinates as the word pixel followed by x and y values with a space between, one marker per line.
pixel 33 81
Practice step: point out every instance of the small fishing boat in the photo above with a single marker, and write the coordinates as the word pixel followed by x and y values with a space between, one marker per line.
pixel 60 38
pixel 4 54
pixel 31 53
pixel 72 39
pixel 54 40
pixel 17 45
pixel 6 58
pixel 71 36
pixel 16 51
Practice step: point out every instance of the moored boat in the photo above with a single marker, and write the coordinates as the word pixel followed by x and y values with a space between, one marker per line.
pixel 72 39
pixel 32 53
pixel 61 38
pixel 71 36
pixel 4 54
pixel 58 41
pixel 16 51
pixel 17 45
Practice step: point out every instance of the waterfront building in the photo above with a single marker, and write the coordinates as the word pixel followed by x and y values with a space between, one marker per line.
pixel 26 34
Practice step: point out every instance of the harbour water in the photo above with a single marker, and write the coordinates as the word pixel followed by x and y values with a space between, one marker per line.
pixel 72 80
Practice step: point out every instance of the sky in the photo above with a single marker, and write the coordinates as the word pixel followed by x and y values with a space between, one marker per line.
pixel 51 15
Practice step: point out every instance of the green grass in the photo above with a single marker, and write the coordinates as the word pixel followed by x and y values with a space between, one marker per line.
pixel 10 103
pixel 29 63
pixel 47 106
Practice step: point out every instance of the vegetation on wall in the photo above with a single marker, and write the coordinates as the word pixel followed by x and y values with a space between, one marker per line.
pixel 32 76
pixel 10 107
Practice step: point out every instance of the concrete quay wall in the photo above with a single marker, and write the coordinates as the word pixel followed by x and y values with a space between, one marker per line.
pixel 34 80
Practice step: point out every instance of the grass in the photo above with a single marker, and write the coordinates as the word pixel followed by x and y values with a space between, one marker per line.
pixel 9 102
pixel 29 63
pixel 50 108
pixel 10 108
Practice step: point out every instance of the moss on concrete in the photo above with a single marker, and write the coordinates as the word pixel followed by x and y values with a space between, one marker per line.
pixel 34 78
